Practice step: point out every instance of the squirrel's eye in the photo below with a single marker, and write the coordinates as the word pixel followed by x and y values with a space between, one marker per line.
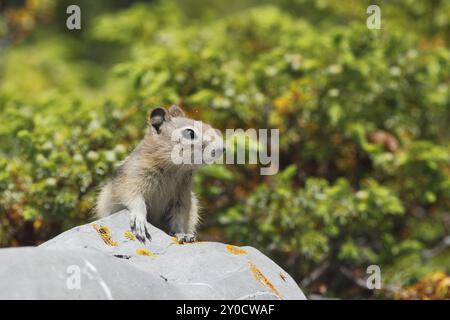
pixel 189 134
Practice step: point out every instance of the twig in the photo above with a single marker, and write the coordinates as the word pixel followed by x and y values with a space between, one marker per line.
pixel 316 273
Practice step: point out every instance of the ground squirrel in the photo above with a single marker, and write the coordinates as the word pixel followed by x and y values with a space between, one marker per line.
pixel 153 184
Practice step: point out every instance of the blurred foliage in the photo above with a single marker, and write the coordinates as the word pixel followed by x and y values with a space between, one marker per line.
pixel 363 118
pixel 432 287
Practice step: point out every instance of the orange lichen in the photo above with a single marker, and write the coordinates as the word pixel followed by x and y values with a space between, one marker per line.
pixel 105 234
pixel 144 252
pixel 235 250
pixel 129 235
pixel 257 273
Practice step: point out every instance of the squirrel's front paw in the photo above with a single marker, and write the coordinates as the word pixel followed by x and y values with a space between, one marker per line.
pixel 184 237
pixel 140 228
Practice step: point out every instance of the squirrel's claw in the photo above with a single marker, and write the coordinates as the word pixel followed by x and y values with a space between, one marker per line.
pixel 140 229
pixel 184 237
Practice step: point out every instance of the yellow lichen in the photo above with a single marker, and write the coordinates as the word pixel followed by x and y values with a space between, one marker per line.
pixel 144 252
pixel 262 279
pixel 129 235
pixel 235 250
pixel 175 241
pixel 105 234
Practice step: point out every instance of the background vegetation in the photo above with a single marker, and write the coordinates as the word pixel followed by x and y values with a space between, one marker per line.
pixel 363 116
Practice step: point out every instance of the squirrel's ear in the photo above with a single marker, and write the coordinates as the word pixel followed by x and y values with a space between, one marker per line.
pixel 176 111
pixel 156 118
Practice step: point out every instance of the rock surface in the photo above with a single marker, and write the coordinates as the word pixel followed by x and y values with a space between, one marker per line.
pixel 102 260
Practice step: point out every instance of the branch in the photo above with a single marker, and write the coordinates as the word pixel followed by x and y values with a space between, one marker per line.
pixel 441 246
pixel 313 276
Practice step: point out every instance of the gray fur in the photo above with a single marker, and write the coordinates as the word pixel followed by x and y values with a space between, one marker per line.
pixel 151 186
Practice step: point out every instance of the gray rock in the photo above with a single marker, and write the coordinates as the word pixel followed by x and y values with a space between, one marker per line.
pixel 101 260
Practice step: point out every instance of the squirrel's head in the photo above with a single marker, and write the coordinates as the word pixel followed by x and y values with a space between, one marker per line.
pixel 189 142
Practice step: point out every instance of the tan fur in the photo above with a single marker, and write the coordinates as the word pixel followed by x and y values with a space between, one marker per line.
pixel 151 186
